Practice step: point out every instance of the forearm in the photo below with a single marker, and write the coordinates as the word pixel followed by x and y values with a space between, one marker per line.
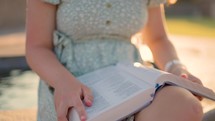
pixel 163 51
pixel 155 36
pixel 44 62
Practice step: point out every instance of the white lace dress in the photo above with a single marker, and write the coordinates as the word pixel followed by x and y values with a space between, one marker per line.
pixel 92 34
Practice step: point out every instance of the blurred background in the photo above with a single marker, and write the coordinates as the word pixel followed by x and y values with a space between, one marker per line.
pixel 190 24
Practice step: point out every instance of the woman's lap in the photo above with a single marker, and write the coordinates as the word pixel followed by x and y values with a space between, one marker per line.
pixel 172 100
pixel 172 103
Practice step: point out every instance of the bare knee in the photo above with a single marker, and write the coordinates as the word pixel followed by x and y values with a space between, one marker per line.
pixel 193 110
pixel 172 104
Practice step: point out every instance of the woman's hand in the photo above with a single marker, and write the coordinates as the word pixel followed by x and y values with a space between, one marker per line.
pixel 70 95
pixel 181 71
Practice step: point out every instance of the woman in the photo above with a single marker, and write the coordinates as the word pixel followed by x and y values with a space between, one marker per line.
pixel 91 34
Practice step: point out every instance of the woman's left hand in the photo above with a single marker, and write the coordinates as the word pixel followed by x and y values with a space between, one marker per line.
pixel 183 72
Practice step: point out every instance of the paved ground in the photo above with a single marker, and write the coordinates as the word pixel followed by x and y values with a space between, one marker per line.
pixel 197 53
pixel 18 115
pixel 12 44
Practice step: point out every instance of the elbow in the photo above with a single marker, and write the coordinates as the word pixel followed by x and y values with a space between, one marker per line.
pixel 37 53
pixel 36 50
pixel 29 55
pixel 32 53
pixel 158 41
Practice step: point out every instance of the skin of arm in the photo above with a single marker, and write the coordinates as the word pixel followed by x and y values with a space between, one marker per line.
pixel 41 58
pixel 155 36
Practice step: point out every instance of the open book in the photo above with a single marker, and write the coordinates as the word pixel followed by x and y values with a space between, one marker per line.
pixel 123 89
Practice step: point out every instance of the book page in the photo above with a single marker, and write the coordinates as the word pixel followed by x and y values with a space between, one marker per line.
pixel 114 85
pixel 110 87
pixel 145 74
pixel 193 87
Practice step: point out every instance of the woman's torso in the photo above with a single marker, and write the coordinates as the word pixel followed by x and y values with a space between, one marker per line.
pixel 96 33
pixel 82 19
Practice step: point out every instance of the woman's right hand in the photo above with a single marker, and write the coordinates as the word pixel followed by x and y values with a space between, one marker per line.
pixel 73 94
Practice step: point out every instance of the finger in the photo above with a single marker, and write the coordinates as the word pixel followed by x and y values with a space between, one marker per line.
pixel 88 96
pixel 87 101
pixel 184 75
pixel 62 110
pixel 81 110
pixel 196 80
pixel 199 97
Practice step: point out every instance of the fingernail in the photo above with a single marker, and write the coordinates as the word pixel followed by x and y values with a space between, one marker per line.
pixel 83 118
pixel 184 75
pixel 88 103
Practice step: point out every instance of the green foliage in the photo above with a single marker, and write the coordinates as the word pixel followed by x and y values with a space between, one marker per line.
pixel 192 26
